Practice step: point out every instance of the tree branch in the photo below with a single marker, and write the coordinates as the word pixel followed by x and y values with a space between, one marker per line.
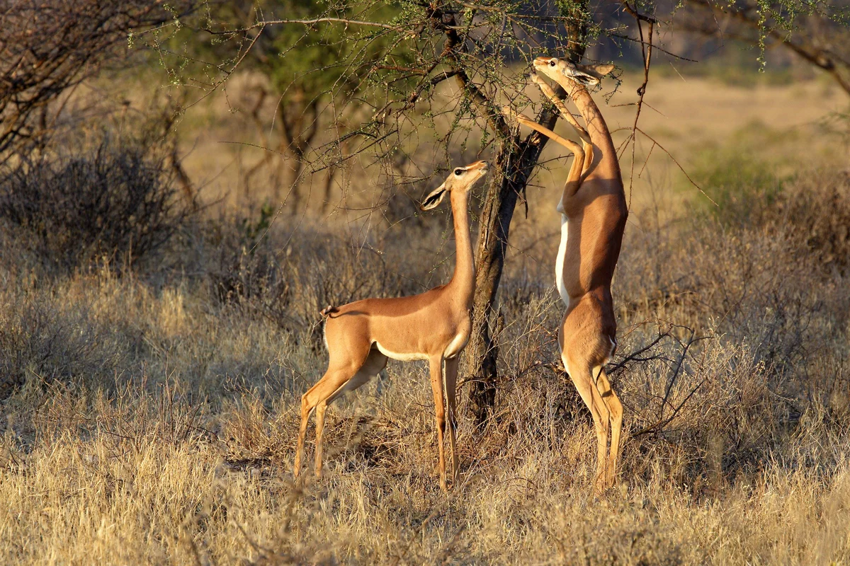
pixel 455 43
pixel 312 22
pixel 801 46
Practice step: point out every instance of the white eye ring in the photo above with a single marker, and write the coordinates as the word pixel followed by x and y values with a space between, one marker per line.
pixel 458 172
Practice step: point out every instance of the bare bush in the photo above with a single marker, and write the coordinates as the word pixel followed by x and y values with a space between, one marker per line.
pixel 812 208
pixel 45 342
pixel 114 203
pixel 816 207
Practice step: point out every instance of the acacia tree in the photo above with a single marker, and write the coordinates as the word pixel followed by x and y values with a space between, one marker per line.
pixel 392 62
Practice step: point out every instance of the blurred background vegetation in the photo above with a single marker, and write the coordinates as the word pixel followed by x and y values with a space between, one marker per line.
pixel 184 186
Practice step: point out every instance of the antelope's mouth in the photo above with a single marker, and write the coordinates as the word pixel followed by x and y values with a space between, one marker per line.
pixel 541 62
pixel 481 166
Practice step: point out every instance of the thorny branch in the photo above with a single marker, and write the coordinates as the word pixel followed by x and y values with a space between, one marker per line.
pixel 646 47
pixel 646 53
pixel 311 22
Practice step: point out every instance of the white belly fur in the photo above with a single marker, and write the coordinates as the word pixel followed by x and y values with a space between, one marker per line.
pixel 400 357
pixel 559 262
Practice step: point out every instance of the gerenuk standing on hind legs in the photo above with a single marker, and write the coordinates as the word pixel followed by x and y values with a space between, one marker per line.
pixel 593 217
pixel 433 326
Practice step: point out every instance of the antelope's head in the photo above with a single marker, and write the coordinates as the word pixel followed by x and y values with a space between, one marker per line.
pixel 559 69
pixel 461 179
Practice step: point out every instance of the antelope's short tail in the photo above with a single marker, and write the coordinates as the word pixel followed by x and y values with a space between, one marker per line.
pixel 328 311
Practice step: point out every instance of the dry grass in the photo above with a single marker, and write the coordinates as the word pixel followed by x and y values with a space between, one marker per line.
pixel 151 417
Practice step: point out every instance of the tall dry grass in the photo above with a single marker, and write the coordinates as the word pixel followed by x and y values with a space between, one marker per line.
pixel 151 416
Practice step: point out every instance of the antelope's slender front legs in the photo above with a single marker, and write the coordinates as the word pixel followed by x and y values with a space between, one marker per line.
pixel 436 364
pixel 569 144
pixel 451 398
pixel 562 108
pixel 586 157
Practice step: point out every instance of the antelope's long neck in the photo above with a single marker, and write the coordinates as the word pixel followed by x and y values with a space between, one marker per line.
pixel 463 280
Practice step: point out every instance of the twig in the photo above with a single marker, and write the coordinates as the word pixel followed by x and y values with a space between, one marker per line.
pixel 672 381
pixel 646 52
pixel 635 356
pixel 661 424
pixel 648 155
pixel 264 23
pixel 227 73
pixel 661 49
pixel 637 15
pixel 682 169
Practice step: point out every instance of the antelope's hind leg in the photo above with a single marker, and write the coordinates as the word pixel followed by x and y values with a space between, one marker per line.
pixel 579 355
pixel 581 373
pixel 342 375
pixel 615 408
pixel 373 364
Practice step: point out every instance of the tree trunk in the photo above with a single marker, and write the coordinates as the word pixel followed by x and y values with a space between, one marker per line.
pixel 515 162
pixel 494 229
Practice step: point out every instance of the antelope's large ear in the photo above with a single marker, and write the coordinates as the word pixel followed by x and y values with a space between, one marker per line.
pixel 434 198
pixel 599 70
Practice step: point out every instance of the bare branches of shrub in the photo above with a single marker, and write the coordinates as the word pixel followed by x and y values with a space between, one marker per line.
pixel 49 47
pixel 115 203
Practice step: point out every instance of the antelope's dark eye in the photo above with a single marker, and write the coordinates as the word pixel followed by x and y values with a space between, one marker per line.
pixel 552 63
pixel 458 172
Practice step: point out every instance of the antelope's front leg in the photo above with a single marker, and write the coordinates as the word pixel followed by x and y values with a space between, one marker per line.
pixel 451 406
pixel 562 108
pixel 436 368
pixel 577 151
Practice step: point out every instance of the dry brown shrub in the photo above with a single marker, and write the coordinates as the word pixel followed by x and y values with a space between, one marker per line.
pixel 115 204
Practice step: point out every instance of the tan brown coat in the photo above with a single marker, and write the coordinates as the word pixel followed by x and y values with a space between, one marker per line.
pixel 433 326
pixel 594 212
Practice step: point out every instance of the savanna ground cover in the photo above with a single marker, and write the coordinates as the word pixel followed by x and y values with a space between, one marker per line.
pixel 150 414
